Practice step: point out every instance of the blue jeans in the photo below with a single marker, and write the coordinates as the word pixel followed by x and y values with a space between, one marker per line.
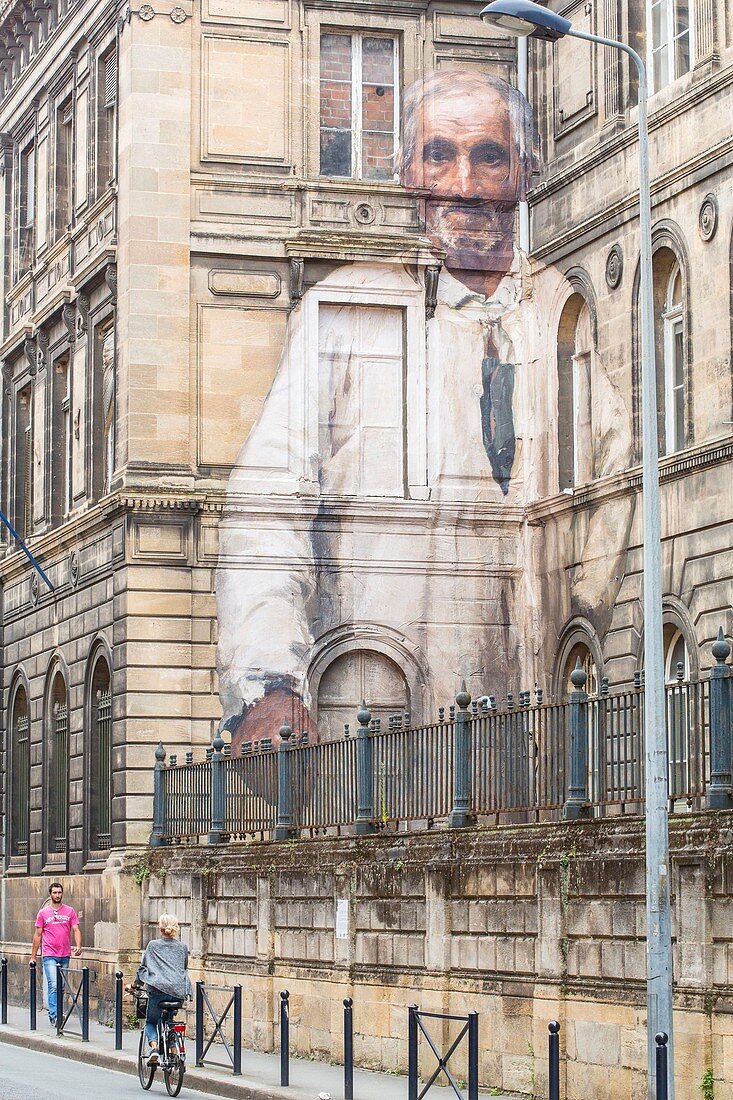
pixel 152 1016
pixel 50 963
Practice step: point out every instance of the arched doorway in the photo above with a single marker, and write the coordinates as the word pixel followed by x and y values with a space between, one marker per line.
pixel 353 676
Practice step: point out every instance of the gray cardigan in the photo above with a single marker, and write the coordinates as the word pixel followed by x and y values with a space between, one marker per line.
pixel 163 967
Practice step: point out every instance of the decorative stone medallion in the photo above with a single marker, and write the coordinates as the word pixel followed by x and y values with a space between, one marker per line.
pixel 178 15
pixel 34 588
pixel 146 13
pixel 707 221
pixel 74 568
pixel 614 267
pixel 364 213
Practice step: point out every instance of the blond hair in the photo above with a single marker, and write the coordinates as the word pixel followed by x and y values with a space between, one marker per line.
pixel 168 924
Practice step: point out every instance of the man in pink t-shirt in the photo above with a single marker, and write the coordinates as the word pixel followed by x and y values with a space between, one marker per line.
pixel 54 925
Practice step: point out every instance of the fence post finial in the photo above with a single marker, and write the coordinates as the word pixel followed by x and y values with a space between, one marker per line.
pixel 284 823
pixel 721 712
pixel 364 773
pixel 218 789
pixel 576 804
pixel 156 836
pixel 460 815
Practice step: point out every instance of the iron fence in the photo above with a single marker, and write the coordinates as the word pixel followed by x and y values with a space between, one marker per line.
pixel 520 761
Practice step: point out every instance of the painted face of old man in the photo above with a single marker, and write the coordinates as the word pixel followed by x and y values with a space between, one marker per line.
pixel 466 143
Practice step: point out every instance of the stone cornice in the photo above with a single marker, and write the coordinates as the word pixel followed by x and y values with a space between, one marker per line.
pixel 671 467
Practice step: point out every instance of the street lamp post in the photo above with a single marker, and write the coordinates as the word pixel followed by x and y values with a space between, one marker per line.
pixel 522 18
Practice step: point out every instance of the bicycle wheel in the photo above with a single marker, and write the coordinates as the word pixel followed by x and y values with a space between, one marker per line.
pixel 145 1072
pixel 175 1065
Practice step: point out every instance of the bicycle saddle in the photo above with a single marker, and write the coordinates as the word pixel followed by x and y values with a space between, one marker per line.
pixel 170 1004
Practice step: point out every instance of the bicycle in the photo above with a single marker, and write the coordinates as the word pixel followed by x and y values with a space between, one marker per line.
pixel 171 1045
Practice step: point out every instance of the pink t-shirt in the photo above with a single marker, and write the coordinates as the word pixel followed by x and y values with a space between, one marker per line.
pixel 56 925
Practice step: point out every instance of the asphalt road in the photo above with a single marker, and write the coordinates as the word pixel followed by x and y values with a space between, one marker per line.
pixel 28 1075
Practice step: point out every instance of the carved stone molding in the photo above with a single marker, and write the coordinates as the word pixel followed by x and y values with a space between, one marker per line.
pixel 74 568
pixel 31 353
pixel 68 316
pixel 42 341
pixel 614 267
pixel 297 279
pixel 432 277
pixel 707 221
pixel 82 315
pixel 110 278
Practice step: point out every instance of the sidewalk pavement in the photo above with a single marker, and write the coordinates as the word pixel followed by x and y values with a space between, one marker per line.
pixel 260 1078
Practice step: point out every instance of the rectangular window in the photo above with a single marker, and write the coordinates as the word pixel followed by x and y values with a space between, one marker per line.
pixel 359 111
pixel 361 383
pixel 23 480
pixel 64 165
pixel 26 208
pixel 61 442
pixel 106 119
pixel 20 762
pixel 671 40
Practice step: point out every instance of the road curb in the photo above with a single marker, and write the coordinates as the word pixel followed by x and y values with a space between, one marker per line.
pixel 194 1079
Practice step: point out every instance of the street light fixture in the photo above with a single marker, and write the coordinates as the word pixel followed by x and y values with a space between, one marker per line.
pixel 522 18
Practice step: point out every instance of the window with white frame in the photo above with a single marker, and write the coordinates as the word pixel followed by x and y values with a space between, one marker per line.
pixel 25 208
pixel 674 364
pixel 359 106
pixel 671 40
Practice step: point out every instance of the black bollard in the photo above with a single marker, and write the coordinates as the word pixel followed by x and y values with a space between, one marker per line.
pixel 199 1023
pixel 284 1038
pixel 662 1083
pixel 85 1004
pixel 59 1000
pixel 554 1059
pixel 412 1052
pixel 348 1049
pixel 237 1038
pixel 118 1010
pixel 473 1055
pixel 32 992
pixel 3 990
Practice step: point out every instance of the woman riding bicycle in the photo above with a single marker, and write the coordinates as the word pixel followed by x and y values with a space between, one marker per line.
pixel 163 971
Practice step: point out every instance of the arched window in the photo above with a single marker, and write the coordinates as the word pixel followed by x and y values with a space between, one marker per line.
pixel 99 748
pixel 679 708
pixel 57 765
pixel 578 649
pixel 361 674
pixel 670 353
pixel 574 378
pixel 19 771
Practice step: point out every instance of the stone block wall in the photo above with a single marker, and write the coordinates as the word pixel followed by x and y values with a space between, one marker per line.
pixel 524 924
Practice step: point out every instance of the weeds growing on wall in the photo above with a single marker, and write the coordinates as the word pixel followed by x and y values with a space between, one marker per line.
pixel 707 1085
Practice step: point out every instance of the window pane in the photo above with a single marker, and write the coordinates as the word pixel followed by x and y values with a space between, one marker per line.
pixel 377 156
pixel 377 112
pixel 659 36
pixel 335 152
pixel 378 61
pixel 336 57
pixel 681 17
pixel 682 55
pixel 661 74
pixel 336 105
pixel 679 391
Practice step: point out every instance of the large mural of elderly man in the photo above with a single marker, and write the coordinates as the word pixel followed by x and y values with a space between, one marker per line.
pixel 298 560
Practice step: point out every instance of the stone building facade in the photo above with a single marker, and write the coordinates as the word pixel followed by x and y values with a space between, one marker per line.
pixel 181 183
